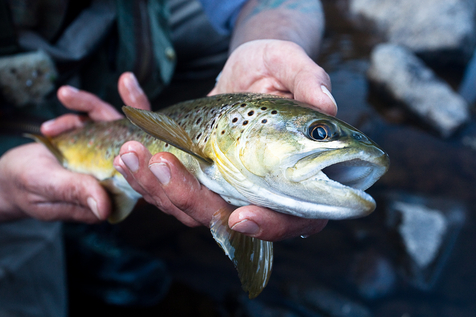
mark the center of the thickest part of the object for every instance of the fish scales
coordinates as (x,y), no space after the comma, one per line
(93,148)
(248,148)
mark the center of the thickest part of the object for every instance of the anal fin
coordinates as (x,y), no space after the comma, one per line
(122,202)
(252,257)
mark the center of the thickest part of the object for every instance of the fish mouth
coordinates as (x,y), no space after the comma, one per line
(355,173)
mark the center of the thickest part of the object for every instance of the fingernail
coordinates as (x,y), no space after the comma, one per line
(68,90)
(120,169)
(131,161)
(93,205)
(133,87)
(47,124)
(246,227)
(161,171)
(328,93)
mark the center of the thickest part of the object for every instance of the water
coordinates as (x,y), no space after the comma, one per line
(422,164)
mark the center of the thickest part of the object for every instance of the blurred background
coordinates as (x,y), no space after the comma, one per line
(403,72)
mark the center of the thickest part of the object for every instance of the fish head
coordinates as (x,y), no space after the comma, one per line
(302,162)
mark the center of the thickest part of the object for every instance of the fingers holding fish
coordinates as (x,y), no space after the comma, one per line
(131,92)
(140,171)
(82,101)
(184,190)
(63,123)
(266,224)
(37,186)
(261,66)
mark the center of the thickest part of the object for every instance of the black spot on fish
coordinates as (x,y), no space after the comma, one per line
(263,108)
(223,132)
(234,120)
(166,145)
(274,112)
(243,105)
(224,106)
(264,121)
(251,113)
(206,139)
(245,122)
(199,135)
(211,125)
(186,116)
(198,120)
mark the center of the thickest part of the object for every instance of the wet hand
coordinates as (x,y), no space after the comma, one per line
(280,68)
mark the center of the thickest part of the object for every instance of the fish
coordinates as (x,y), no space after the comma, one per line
(249,148)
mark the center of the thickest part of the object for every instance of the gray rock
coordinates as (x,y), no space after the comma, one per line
(373,275)
(26,78)
(326,302)
(427,228)
(406,78)
(467,89)
(422,230)
(441,29)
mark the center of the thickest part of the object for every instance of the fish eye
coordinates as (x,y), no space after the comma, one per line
(321,131)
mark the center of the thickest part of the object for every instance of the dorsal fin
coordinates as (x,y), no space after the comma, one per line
(165,129)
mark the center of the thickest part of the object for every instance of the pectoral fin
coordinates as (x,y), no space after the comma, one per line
(253,258)
(122,202)
(165,129)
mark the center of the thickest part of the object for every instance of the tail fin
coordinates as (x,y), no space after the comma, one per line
(47,142)
(253,258)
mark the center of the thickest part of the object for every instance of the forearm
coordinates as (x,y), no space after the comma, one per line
(298,21)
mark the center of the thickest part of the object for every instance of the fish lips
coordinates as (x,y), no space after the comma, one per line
(355,171)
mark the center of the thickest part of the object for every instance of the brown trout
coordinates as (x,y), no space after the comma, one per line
(248,148)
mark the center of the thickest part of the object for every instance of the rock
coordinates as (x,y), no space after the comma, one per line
(467,89)
(406,78)
(26,78)
(422,231)
(427,228)
(327,302)
(258,308)
(373,275)
(437,29)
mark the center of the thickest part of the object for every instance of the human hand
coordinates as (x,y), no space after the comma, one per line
(277,67)
(34,184)
(95,108)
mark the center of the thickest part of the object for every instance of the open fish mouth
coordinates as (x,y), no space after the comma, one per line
(355,173)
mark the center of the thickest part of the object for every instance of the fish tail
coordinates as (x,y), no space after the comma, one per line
(252,257)
(49,145)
